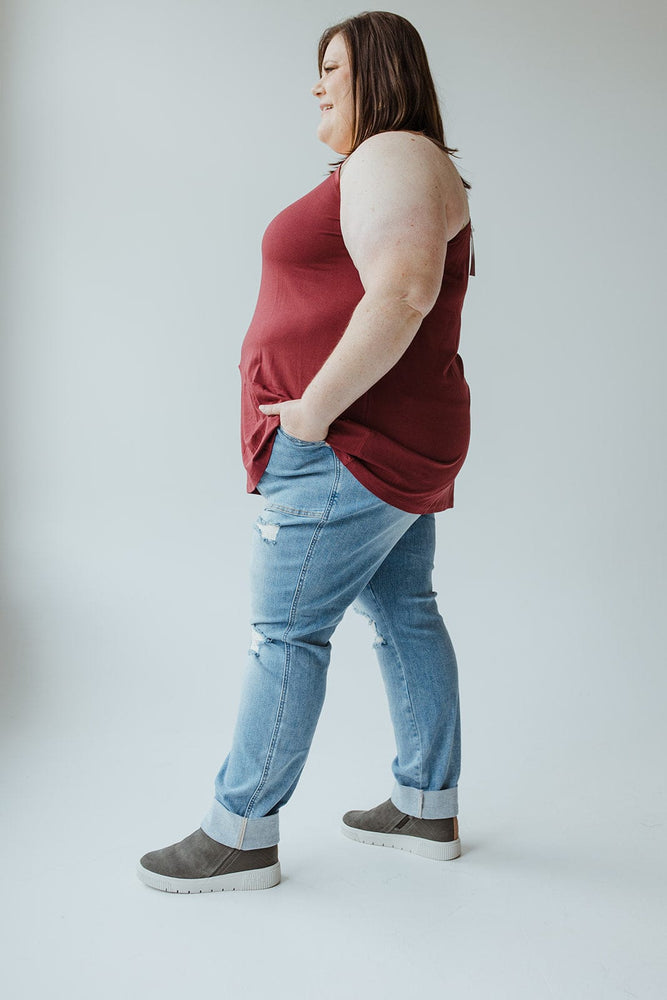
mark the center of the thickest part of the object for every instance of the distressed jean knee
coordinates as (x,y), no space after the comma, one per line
(378,639)
(258,638)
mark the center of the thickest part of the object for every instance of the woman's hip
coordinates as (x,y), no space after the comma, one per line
(320,537)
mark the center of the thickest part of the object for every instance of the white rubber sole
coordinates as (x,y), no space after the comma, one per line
(257,878)
(433,849)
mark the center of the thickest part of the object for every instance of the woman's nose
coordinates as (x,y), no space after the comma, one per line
(317,89)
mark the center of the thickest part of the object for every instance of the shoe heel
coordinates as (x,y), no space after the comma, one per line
(262,878)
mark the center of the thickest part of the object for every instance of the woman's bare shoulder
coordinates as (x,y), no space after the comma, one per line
(393,144)
(415,161)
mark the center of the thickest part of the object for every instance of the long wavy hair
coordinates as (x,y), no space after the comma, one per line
(392,86)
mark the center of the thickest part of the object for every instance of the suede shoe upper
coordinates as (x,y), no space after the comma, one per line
(199,856)
(387,818)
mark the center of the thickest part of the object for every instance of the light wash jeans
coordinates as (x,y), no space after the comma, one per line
(323,542)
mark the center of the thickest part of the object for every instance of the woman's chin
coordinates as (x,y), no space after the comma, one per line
(337,148)
(332,142)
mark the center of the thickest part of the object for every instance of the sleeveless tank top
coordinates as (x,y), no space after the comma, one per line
(406,438)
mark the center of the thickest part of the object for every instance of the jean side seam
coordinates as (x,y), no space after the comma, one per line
(406,686)
(286,668)
(308,556)
(244,823)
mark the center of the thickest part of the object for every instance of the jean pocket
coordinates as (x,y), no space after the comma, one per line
(299,441)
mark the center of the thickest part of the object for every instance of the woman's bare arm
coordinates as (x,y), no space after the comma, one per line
(395,229)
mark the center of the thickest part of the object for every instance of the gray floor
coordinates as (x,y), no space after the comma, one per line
(559,892)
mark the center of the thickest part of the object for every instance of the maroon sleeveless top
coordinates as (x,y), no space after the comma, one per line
(407,436)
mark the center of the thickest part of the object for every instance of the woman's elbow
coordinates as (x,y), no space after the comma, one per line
(414,296)
(421,298)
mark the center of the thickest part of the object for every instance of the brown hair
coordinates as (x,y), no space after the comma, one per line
(397,92)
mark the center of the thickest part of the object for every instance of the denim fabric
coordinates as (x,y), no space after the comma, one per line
(324,542)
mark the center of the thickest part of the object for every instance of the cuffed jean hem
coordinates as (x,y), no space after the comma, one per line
(436,804)
(240,832)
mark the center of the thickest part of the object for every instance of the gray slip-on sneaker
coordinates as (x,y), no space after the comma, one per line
(387,826)
(200,864)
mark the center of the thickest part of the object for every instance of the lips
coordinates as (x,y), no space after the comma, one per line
(325,107)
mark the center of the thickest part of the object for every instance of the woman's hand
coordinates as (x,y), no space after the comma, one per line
(296,419)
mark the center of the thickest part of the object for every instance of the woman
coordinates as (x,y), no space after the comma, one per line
(354,424)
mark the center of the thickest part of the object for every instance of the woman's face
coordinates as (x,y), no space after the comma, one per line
(334,92)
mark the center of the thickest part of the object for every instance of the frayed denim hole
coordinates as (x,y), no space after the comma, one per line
(267,529)
(258,640)
(378,640)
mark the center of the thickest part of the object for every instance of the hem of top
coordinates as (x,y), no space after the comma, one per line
(250,486)
(353,464)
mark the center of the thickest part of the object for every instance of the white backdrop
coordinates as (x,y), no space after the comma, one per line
(146,145)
